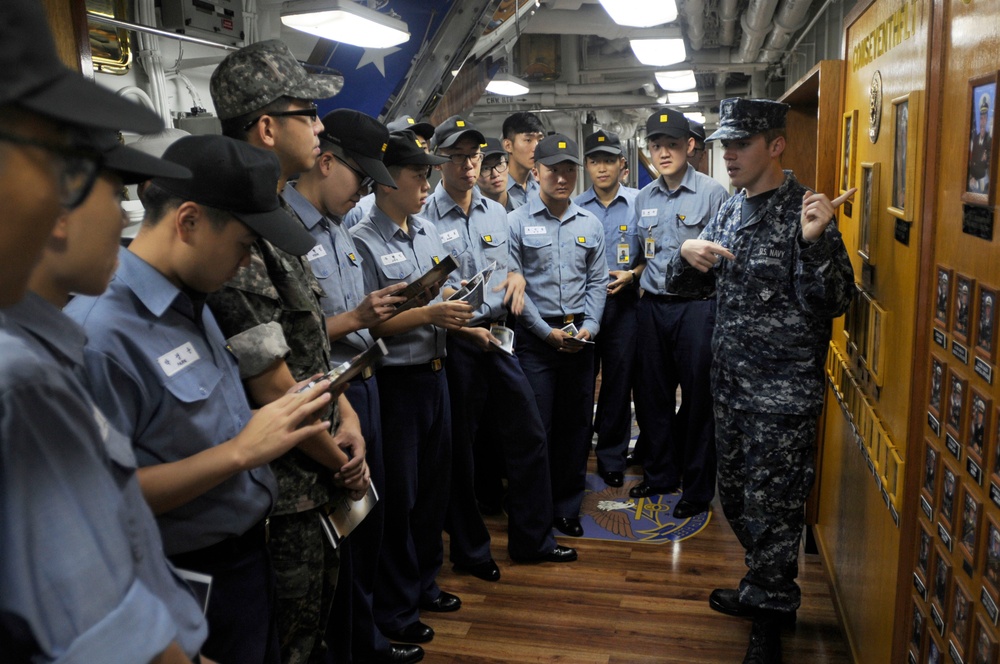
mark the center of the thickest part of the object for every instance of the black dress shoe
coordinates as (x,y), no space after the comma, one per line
(644,489)
(613,477)
(633,460)
(398,654)
(727,600)
(765,640)
(568,526)
(688,508)
(416,632)
(443,603)
(560,554)
(487,571)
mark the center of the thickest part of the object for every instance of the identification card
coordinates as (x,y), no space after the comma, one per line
(623,257)
(316,252)
(393,258)
(535,230)
(650,247)
(649,212)
(177,359)
(448,236)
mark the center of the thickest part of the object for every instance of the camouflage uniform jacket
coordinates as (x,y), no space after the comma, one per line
(776,303)
(270,310)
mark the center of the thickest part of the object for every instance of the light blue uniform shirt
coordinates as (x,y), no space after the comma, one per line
(81,560)
(359,211)
(475,242)
(390,256)
(563,262)
(619,224)
(173,387)
(518,195)
(671,217)
(336,264)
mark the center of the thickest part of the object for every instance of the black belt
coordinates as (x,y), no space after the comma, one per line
(434,365)
(675,298)
(230,548)
(560,321)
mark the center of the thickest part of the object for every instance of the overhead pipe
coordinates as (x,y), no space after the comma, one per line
(791,16)
(729,14)
(694,16)
(756,22)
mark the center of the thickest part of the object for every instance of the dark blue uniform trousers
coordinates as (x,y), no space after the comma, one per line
(416,437)
(489,391)
(675,348)
(353,634)
(615,350)
(563,384)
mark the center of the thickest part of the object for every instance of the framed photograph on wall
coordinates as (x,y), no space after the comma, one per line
(876,358)
(924,551)
(961,318)
(981,165)
(942,578)
(986,321)
(942,298)
(958,388)
(932,462)
(849,150)
(991,567)
(936,390)
(972,512)
(917,629)
(868,214)
(984,643)
(960,618)
(905,153)
(949,487)
(935,653)
(981,409)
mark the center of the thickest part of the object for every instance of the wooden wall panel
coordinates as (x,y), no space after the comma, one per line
(69,30)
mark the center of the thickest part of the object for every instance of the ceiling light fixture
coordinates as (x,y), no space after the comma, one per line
(344,21)
(676,81)
(659,52)
(681,98)
(641,13)
(696,117)
(507,85)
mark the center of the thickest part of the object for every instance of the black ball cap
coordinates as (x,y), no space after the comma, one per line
(404,150)
(493,146)
(362,138)
(133,166)
(602,141)
(423,129)
(238,178)
(556,149)
(452,130)
(667,122)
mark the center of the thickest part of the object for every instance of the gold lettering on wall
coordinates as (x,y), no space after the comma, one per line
(887,35)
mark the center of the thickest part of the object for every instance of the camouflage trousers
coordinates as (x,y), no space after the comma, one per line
(766,470)
(306,567)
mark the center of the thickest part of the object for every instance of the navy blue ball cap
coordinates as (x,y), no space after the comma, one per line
(362,138)
(424,130)
(238,178)
(602,141)
(743,118)
(404,150)
(556,149)
(453,130)
(133,166)
(667,122)
(493,146)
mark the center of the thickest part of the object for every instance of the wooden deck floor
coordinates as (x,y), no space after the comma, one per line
(621,603)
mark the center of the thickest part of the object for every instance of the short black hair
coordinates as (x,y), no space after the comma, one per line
(157,201)
(236,127)
(521,122)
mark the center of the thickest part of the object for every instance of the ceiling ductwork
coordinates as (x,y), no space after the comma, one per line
(791,16)
(756,23)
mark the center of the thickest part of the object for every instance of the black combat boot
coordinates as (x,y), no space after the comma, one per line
(765,639)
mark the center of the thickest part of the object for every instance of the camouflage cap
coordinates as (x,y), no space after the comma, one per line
(256,75)
(743,118)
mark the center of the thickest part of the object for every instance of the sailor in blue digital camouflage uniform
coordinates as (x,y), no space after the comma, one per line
(397,245)
(613,203)
(675,330)
(487,385)
(781,274)
(559,248)
(352,146)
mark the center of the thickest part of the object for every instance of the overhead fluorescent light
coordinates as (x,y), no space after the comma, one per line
(505,84)
(681,98)
(344,21)
(659,52)
(676,81)
(696,117)
(641,13)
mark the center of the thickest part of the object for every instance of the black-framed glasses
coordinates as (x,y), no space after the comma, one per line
(312,113)
(459,159)
(78,167)
(365,182)
(498,168)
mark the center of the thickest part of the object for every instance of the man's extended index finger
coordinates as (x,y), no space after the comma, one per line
(837,202)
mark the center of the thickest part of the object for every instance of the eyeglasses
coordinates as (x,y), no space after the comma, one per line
(459,159)
(77,167)
(312,113)
(365,182)
(498,168)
